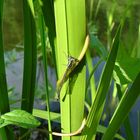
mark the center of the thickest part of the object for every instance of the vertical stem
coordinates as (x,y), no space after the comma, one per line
(91,10)
(70,31)
(30,59)
(5,134)
(48,14)
(4,103)
(92,81)
(43,40)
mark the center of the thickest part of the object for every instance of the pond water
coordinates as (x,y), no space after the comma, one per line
(14,73)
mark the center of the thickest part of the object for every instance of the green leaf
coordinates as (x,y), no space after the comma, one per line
(124,107)
(4,123)
(5,134)
(20,118)
(126,123)
(138,131)
(126,68)
(31,5)
(97,44)
(97,107)
(30,59)
(102,129)
(45,64)
(1,121)
(48,15)
(90,80)
(70,41)
(44,115)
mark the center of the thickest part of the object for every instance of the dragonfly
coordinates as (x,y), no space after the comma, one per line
(72,63)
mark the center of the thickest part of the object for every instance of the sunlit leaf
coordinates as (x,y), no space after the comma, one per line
(20,118)
(102,129)
(44,115)
(97,107)
(126,68)
(124,107)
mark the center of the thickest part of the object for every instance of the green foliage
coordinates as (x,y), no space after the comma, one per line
(61,26)
(90,80)
(43,45)
(70,40)
(97,107)
(126,68)
(30,59)
(127,124)
(123,109)
(99,47)
(4,103)
(102,129)
(20,118)
(55,117)
(138,135)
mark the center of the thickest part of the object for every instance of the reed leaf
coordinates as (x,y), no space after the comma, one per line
(5,134)
(97,107)
(48,15)
(90,80)
(55,117)
(70,40)
(127,101)
(4,103)
(127,125)
(138,134)
(43,45)
(30,58)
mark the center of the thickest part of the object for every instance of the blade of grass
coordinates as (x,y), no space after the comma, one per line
(124,107)
(55,117)
(90,81)
(5,133)
(138,42)
(48,14)
(30,59)
(43,45)
(97,8)
(4,103)
(97,107)
(138,133)
(127,125)
(102,129)
(91,10)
